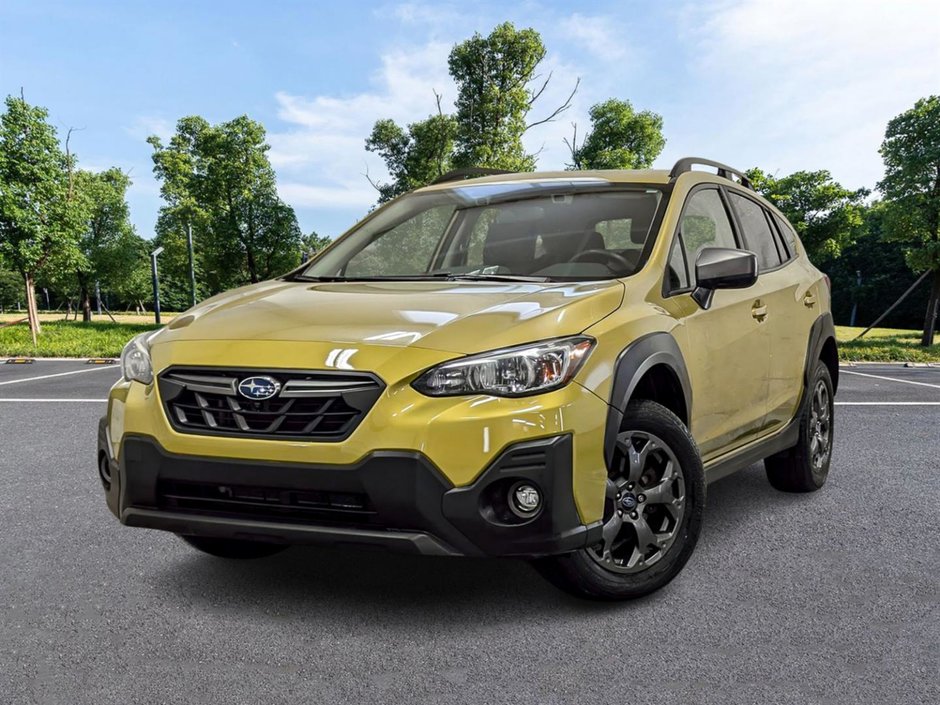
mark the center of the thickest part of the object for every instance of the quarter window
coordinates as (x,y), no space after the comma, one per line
(787,232)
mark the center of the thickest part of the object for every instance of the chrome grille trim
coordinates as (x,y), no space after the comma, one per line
(313,405)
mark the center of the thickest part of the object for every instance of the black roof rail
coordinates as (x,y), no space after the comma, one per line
(724,171)
(468,173)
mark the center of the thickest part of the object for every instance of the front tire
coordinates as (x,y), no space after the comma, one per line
(805,466)
(653,512)
(233,548)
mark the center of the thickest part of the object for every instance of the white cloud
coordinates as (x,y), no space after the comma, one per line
(319,151)
(598,35)
(340,197)
(146,125)
(413,13)
(794,84)
(321,155)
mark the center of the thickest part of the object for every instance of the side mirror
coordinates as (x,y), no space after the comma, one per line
(722,268)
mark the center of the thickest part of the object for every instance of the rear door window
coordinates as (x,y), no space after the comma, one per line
(757,233)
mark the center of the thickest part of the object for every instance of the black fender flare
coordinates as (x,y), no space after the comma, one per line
(822,330)
(634,361)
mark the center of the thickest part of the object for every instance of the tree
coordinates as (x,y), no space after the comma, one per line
(11,289)
(41,212)
(313,243)
(109,245)
(497,88)
(415,156)
(884,277)
(620,138)
(495,94)
(827,216)
(217,180)
(911,187)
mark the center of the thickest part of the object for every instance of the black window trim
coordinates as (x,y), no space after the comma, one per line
(781,223)
(782,251)
(768,215)
(667,291)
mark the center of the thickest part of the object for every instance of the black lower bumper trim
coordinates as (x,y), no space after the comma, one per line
(394,499)
(270,532)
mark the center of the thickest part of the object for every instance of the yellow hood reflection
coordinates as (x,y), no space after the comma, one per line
(459,317)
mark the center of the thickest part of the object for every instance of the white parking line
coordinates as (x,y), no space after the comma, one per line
(56,401)
(887,403)
(892,379)
(58,374)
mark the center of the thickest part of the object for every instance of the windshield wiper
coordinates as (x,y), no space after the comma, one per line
(449,276)
(375,278)
(499,278)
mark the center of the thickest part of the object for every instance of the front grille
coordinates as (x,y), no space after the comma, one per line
(265,503)
(321,406)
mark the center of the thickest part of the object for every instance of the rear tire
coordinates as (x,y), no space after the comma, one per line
(657,485)
(233,548)
(805,466)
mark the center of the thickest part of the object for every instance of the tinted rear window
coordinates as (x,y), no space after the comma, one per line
(757,233)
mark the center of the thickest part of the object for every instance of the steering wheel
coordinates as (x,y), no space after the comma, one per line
(605,257)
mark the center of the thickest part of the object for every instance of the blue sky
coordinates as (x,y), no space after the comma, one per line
(783,84)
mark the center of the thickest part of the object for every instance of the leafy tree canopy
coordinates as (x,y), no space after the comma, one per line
(11,289)
(42,213)
(827,216)
(911,187)
(314,242)
(218,180)
(113,255)
(497,88)
(620,138)
(414,156)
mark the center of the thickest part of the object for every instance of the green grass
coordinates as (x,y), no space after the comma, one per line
(884,345)
(70,339)
(105,339)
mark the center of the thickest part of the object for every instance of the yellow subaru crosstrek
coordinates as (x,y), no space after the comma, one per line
(549,366)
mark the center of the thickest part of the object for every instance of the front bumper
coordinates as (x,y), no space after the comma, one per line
(394,499)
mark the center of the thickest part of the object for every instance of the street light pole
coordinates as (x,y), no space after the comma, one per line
(192,266)
(156,284)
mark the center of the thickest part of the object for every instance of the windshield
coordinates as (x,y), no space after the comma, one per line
(571,230)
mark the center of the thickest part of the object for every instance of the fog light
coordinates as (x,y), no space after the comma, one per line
(525,499)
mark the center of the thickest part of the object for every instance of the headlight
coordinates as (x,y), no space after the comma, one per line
(511,372)
(135,359)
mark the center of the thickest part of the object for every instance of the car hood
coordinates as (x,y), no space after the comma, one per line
(452,316)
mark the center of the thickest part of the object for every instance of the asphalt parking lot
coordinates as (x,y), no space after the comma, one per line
(823,598)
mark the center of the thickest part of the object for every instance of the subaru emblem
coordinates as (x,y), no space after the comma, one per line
(259,388)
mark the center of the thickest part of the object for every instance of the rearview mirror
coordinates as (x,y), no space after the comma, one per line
(722,268)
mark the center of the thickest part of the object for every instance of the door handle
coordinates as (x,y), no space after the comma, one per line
(759,311)
(809,300)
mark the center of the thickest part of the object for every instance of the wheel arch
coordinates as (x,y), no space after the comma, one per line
(822,346)
(652,367)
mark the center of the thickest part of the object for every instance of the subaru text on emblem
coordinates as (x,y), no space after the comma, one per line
(259,388)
